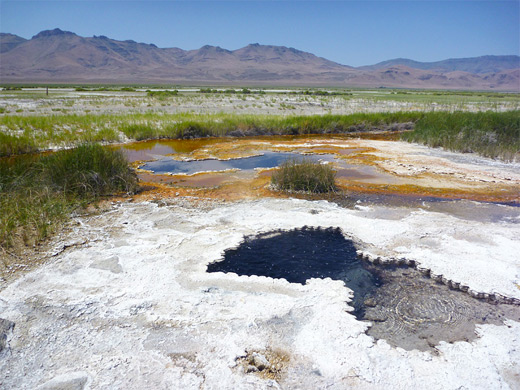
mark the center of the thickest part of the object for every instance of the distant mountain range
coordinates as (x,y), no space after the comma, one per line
(56,56)
(476,65)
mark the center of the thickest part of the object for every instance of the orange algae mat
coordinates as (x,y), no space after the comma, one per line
(363,165)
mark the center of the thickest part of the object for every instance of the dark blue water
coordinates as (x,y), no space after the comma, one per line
(267,160)
(301,254)
(404,307)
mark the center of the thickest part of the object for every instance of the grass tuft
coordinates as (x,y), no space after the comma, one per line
(38,193)
(88,171)
(304,175)
(11,145)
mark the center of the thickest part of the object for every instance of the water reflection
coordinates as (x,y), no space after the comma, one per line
(151,150)
(266,160)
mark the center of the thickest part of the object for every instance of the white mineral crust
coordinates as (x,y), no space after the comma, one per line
(133,308)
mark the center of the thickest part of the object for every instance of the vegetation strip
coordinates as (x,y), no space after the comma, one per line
(40,192)
(22,134)
(492,134)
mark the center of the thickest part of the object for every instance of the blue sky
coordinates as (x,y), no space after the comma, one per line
(349,32)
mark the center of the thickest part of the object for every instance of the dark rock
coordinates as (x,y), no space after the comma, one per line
(6,327)
(259,361)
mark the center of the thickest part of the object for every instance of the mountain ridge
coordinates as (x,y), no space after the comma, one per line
(63,56)
(479,65)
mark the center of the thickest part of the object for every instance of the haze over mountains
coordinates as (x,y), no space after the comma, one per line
(56,56)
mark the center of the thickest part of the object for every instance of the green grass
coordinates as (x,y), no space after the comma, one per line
(11,145)
(29,133)
(162,94)
(88,171)
(304,175)
(452,99)
(185,126)
(40,132)
(38,193)
(490,134)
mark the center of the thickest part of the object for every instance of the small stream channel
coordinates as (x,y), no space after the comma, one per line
(405,307)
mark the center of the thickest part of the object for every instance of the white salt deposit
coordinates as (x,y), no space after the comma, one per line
(133,308)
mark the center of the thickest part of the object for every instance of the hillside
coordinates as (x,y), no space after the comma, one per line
(478,65)
(59,56)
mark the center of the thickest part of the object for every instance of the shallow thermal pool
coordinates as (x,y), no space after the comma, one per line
(189,157)
(228,166)
(408,309)
(267,159)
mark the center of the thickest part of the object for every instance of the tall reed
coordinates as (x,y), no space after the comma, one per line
(490,134)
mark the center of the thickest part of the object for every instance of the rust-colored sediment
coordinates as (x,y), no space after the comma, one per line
(260,187)
(380,159)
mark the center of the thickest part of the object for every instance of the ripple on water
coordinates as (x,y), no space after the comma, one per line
(412,311)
